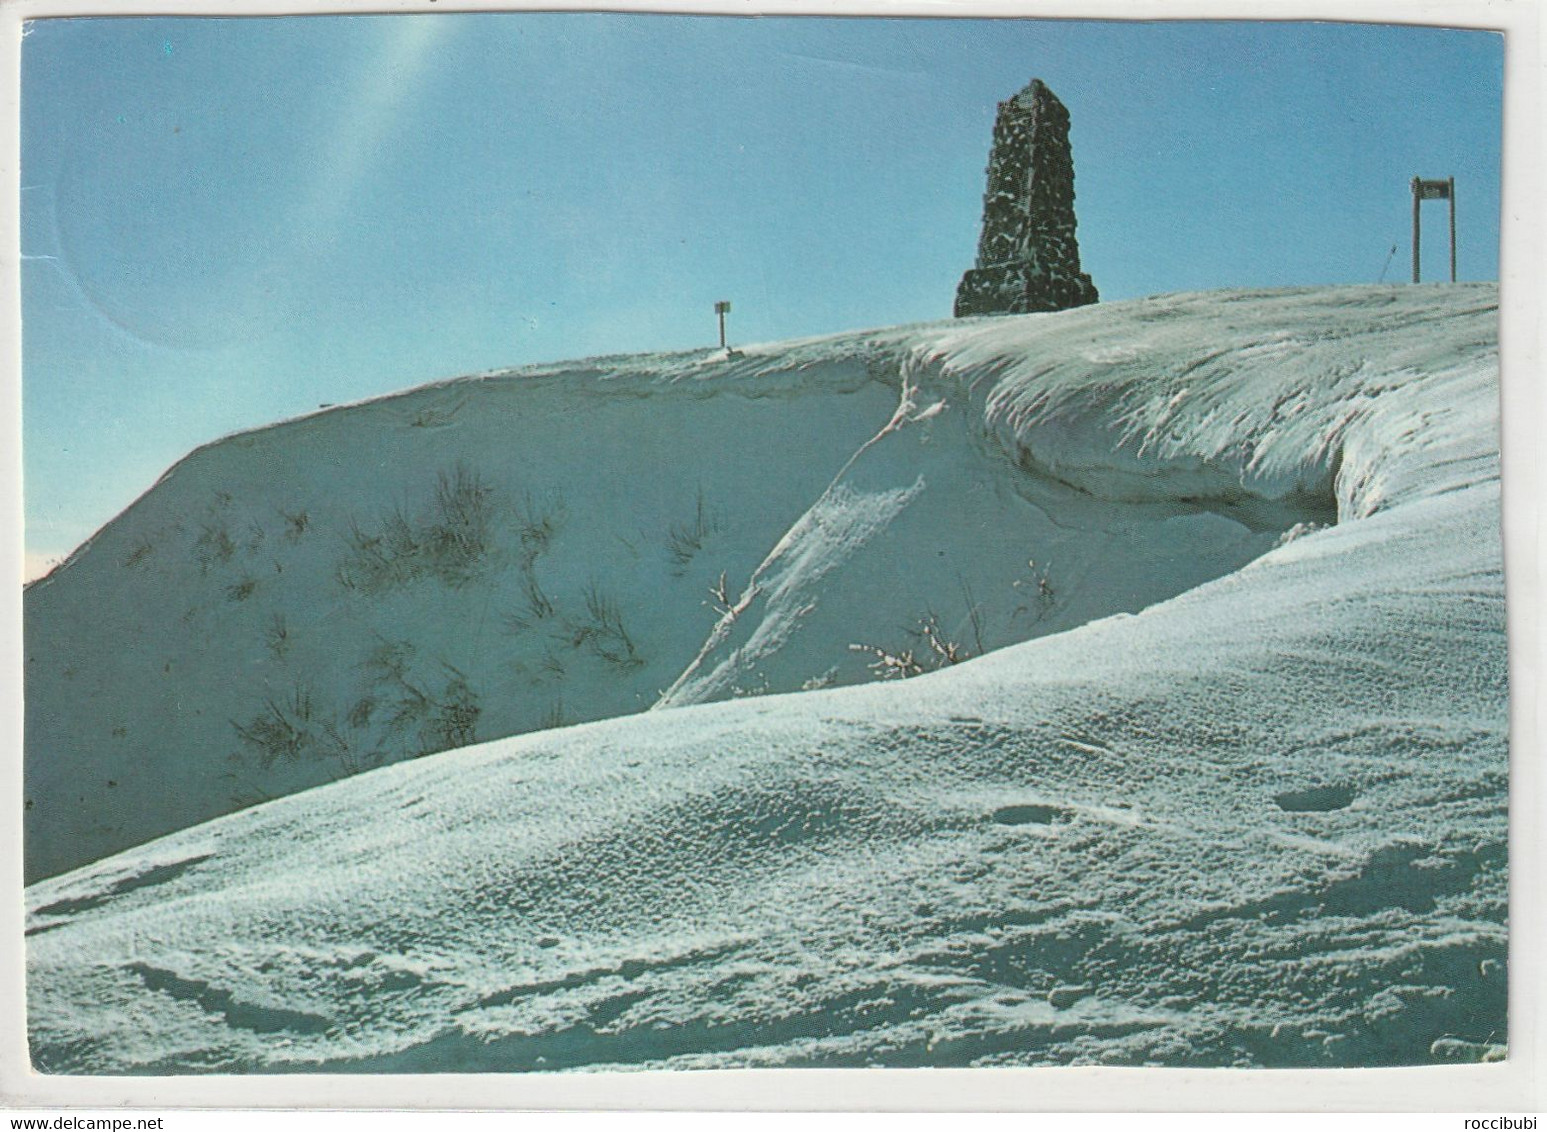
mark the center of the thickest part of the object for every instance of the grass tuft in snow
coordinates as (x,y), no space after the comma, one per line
(974,615)
(438,720)
(296,523)
(142,550)
(388,662)
(458,535)
(539,606)
(449,541)
(276,634)
(539,522)
(360,715)
(213,546)
(290,730)
(604,632)
(555,717)
(419,720)
(685,540)
(454,721)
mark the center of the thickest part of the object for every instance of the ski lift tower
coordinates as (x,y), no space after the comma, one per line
(1434,190)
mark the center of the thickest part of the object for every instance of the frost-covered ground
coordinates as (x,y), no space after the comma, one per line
(1228,787)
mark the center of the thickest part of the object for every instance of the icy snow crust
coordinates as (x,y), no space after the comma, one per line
(1262,821)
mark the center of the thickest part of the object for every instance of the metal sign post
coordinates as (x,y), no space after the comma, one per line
(1434,190)
(722,308)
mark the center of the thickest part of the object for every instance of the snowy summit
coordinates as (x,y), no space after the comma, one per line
(1120,685)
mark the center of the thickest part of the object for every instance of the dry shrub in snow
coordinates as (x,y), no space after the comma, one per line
(931,651)
(449,541)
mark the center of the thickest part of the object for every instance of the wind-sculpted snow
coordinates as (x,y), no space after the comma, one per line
(1254,820)
(518,551)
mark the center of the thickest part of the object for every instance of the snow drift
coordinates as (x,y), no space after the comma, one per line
(1262,821)
(524,550)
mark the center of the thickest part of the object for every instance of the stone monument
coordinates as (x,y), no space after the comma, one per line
(1028,259)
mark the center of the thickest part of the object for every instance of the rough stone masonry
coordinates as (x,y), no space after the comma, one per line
(1028,258)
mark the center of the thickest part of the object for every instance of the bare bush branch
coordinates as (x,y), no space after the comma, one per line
(939,651)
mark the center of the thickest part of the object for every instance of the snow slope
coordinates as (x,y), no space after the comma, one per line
(501,554)
(1263,821)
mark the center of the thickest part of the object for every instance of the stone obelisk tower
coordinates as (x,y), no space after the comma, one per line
(1028,259)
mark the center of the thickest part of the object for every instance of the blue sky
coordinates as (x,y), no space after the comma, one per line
(230,221)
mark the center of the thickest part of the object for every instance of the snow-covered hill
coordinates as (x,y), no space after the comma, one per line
(1263,821)
(502,554)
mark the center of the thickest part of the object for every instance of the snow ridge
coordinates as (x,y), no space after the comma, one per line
(1224,780)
